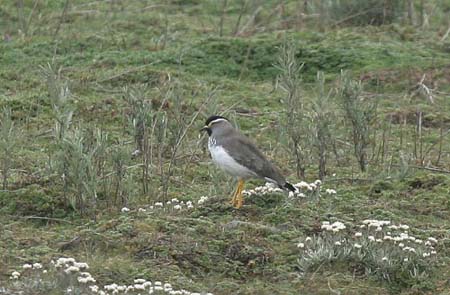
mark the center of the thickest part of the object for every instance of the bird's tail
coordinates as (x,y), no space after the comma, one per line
(289,186)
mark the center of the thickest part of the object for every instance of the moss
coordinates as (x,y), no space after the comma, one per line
(32,200)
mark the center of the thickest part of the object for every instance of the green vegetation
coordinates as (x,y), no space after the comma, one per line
(101,158)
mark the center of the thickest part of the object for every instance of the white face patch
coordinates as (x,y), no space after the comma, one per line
(225,162)
(216,121)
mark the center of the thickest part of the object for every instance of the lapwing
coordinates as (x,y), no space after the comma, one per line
(238,156)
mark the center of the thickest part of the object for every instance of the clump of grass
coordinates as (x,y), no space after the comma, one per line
(293,121)
(79,155)
(9,139)
(144,121)
(361,112)
(322,118)
(374,247)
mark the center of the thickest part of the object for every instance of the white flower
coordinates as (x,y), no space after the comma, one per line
(129,288)
(111,287)
(358,246)
(330,191)
(406,259)
(15,275)
(403,226)
(384,258)
(177,207)
(418,241)
(27,266)
(65,260)
(159,204)
(301,245)
(379,240)
(139,281)
(308,239)
(37,265)
(338,243)
(326,227)
(141,210)
(168,202)
(291,194)
(175,200)
(81,265)
(433,252)
(318,182)
(379,228)
(426,254)
(94,288)
(401,245)
(139,287)
(124,210)
(338,225)
(167,287)
(202,200)
(71,269)
(433,240)
(358,234)
(44,271)
(371,238)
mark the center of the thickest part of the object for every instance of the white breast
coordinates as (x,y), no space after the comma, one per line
(225,162)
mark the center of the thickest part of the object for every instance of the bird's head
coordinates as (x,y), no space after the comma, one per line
(215,123)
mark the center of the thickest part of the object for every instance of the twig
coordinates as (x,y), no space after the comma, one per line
(445,35)
(351,16)
(424,88)
(332,290)
(238,22)
(31,15)
(63,15)
(250,21)
(437,170)
(222,17)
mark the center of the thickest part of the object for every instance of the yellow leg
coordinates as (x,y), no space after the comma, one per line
(233,198)
(239,199)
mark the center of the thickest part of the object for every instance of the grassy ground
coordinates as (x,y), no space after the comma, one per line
(103,46)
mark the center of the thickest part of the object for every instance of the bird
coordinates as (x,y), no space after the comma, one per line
(237,155)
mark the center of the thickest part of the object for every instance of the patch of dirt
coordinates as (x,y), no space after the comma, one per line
(249,256)
(427,183)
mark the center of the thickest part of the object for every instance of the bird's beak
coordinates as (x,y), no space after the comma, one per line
(205,128)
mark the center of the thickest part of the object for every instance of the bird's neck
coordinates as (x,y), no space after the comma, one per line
(212,141)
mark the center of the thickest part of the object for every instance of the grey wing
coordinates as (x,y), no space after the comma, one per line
(248,155)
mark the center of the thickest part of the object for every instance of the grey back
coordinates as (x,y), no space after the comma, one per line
(245,152)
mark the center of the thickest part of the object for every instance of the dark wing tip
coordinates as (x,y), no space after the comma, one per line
(290,187)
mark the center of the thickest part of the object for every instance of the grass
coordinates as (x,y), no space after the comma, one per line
(102,47)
